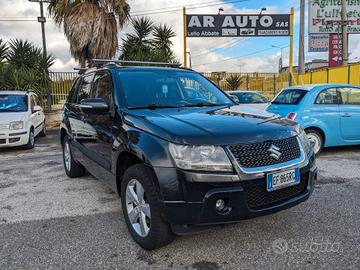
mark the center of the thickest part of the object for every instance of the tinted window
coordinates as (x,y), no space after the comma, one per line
(84,90)
(13,103)
(290,96)
(103,87)
(73,92)
(250,98)
(169,88)
(328,96)
(350,96)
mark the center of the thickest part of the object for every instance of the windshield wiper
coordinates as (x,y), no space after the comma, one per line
(205,105)
(152,107)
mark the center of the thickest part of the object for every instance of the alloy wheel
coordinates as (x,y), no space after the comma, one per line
(137,207)
(67,156)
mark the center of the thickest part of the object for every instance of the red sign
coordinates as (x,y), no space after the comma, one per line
(335,50)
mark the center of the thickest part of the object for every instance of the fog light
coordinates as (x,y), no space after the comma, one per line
(220,205)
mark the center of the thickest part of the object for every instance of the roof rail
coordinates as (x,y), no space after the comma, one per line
(81,70)
(108,61)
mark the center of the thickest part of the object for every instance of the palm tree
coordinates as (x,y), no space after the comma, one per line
(234,82)
(149,42)
(90,26)
(3,50)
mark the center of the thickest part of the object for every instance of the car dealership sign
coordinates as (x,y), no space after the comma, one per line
(237,25)
(325,16)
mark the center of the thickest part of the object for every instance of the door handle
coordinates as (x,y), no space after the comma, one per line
(346,115)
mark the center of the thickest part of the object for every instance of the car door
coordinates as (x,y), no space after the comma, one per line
(35,117)
(350,113)
(325,114)
(101,147)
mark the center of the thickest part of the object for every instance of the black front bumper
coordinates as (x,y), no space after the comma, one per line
(187,203)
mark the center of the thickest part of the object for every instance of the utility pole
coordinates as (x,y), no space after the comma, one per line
(344,33)
(42,21)
(302,38)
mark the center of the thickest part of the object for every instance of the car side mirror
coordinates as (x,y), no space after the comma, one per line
(235,99)
(36,109)
(94,106)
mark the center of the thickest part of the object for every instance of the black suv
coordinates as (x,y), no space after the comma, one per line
(180,153)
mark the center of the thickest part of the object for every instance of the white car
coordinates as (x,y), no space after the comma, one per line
(21,119)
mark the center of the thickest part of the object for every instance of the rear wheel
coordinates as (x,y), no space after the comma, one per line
(316,140)
(72,168)
(43,131)
(141,209)
(31,140)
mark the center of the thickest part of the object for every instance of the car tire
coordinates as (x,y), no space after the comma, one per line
(316,140)
(43,131)
(155,232)
(31,141)
(72,168)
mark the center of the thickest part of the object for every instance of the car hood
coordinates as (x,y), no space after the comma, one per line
(7,117)
(211,126)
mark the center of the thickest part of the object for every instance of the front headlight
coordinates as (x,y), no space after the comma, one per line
(202,158)
(16,125)
(305,141)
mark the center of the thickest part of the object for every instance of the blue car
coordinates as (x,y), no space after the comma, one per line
(329,113)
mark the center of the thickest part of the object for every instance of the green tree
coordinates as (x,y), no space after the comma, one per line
(233,82)
(23,67)
(149,42)
(90,26)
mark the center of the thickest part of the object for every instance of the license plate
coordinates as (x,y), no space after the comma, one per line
(283,179)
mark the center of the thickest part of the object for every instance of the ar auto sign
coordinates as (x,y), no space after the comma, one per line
(237,25)
(325,16)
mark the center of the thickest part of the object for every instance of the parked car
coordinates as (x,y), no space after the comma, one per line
(181,163)
(329,113)
(250,98)
(21,119)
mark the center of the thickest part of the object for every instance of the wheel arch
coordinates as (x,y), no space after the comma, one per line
(322,133)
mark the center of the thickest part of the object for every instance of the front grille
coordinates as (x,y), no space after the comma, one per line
(257,196)
(2,141)
(258,155)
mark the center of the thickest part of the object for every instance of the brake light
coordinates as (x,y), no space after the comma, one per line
(291,116)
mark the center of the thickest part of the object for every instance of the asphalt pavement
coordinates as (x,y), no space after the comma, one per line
(49,221)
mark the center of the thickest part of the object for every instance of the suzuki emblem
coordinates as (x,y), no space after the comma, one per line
(275,152)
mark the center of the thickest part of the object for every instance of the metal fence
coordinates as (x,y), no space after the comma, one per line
(269,84)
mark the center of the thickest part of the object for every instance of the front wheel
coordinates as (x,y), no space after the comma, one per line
(31,141)
(316,140)
(141,209)
(43,131)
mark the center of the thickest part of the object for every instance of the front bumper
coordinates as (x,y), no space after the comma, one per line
(189,202)
(12,138)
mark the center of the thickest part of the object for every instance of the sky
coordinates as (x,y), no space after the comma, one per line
(208,54)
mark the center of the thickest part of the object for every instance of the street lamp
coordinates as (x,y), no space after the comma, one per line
(281,57)
(220,10)
(262,10)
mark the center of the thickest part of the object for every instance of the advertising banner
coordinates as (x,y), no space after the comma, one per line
(318,43)
(325,16)
(237,25)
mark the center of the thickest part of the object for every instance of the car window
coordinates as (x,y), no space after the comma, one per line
(73,91)
(32,102)
(169,88)
(350,96)
(103,88)
(13,103)
(84,90)
(37,101)
(328,96)
(247,98)
(290,97)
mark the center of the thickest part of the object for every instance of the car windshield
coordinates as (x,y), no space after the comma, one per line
(13,103)
(246,98)
(159,88)
(290,97)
